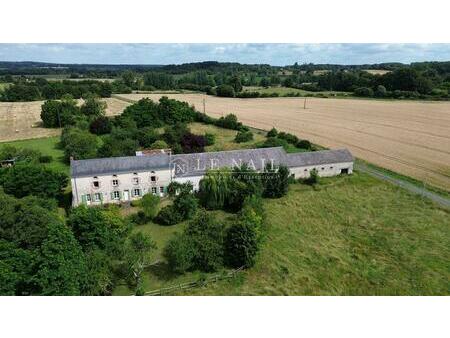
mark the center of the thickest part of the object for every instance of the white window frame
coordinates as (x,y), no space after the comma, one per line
(93,184)
(118,195)
(88,197)
(161,190)
(115,182)
(154,191)
(138,190)
(135,180)
(97,194)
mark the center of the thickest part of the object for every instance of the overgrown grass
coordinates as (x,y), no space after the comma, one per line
(352,235)
(225,137)
(286,90)
(47,146)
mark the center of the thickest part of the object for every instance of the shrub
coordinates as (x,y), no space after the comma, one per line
(273,142)
(191,143)
(229,122)
(150,204)
(159,144)
(364,91)
(276,183)
(225,91)
(380,91)
(313,177)
(304,144)
(243,136)
(179,253)
(272,133)
(100,126)
(185,204)
(241,245)
(168,216)
(210,139)
(45,159)
(292,139)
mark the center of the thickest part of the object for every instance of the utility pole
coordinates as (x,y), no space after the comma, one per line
(204,106)
(304,104)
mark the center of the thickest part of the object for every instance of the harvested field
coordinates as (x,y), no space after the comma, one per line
(410,137)
(21,120)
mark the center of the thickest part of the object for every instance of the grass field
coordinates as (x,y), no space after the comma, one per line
(409,137)
(352,235)
(47,146)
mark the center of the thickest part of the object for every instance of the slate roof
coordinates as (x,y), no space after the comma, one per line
(113,165)
(196,164)
(318,157)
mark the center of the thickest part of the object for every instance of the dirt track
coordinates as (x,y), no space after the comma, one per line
(409,137)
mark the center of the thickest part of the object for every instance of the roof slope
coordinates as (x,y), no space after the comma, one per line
(113,165)
(319,157)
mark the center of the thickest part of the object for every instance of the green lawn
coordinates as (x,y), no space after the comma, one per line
(351,235)
(47,146)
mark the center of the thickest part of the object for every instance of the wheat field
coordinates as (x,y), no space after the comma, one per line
(410,137)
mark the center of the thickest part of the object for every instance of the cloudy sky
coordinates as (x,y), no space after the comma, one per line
(274,54)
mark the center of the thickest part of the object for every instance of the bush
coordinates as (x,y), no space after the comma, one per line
(168,216)
(276,183)
(100,126)
(210,139)
(225,91)
(304,144)
(179,253)
(292,139)
(150,204)
(159,144)
(45,159)
(364,92)
(241,245)
(191,143)
(272,133)
(313,177)
(243,136)
(229,122)
(273,142)
(381,91)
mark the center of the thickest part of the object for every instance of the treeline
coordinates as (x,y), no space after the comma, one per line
(41,89)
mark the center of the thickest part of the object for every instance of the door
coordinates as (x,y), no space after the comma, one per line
(344,171)
(126,195)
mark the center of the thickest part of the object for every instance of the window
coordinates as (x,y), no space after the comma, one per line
(331,167)
(116,195)
(153,178)
(115,183)
(135,180)
(323,168)
(97,197)
(88,198)
(153,190)
(96,184)
(161,190)
(137,192)
(306,170)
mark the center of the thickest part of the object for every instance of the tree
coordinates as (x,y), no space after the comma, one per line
(179,253)
(93,107)
(191,143)
(159,144)
(100,126)
(31,179)
(150,205)
(138,255)
(225,91)
(214,189)
(241,245)
(97,229)
(272,133)
(276,182)
(364,91)
(61,263)
(235,82)
(147,136)
(114,146)
(304,144)
(210,139)
(381,91)
(79,144)
(313,177)
(59,113)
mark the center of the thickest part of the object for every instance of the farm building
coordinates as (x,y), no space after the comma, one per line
(123,179)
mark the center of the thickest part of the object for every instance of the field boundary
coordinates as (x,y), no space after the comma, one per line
(201,282)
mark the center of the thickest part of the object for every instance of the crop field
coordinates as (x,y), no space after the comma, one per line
(409,137)
(21,120)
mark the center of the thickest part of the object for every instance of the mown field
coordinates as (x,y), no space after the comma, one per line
(410,137)
(22,120)
(351,235)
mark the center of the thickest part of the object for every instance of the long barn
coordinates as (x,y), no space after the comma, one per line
(123,179)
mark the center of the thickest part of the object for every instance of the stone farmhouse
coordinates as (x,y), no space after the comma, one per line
(123,179)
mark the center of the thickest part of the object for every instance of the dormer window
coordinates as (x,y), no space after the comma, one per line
(115,182)
(135,180)
(152,176)
(96,183)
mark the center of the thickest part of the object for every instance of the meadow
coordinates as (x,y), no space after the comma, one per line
(350,235)
(409,137)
